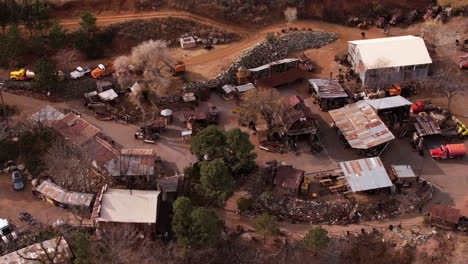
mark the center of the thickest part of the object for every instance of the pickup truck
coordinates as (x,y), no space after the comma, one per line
(22,75)
(79,72)
(102,70)
(449,151)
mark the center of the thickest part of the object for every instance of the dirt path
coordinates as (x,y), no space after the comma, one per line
(112,19)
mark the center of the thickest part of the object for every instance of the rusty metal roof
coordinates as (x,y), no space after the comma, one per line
(326,89)
(76,129)
(35,251)
(427,125)
(289,177)
(365,174)
(277,79)
(100,150)
(291,101)
(361,126)
(445,213)
(133,162)
(57,193)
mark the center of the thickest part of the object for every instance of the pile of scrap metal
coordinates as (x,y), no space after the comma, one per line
(150,133)
(98,101)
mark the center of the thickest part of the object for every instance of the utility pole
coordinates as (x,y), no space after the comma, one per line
(3,103)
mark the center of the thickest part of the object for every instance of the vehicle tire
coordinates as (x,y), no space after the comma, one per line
(14,79)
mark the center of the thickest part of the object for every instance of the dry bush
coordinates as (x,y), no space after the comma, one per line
(263,101)
(457,4)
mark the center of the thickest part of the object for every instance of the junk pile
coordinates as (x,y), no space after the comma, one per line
(337,211)
(263,53)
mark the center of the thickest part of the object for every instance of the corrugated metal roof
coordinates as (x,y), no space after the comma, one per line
(427,125)
(445,213)
(266,66)
(35,251)
(325,89)
(245,87)
(76,129)
(169,184)
(57,193)
(389,102)
(133,162)
(47,113)
(281,78)
(129,206)
(289,177)
(108,95)
(361,126)
(100,150)
(403,171)
(365,174)
(392,52)
(228,88)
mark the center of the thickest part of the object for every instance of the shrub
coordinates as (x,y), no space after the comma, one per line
(244,204)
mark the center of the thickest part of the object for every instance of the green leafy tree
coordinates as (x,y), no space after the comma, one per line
(206,228)
(4,15)
(316,239)
(33,13)
(216,180)
(57,36)
(239,155)
(88,23)
(12,46)
(194,227)
(46,76)
(266,225)
(210,141)
(192,173)
(81,249)
(181,221)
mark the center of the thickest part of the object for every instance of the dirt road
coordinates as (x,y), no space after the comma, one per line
(112,19)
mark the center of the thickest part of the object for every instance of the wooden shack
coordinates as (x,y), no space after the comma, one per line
(444,217)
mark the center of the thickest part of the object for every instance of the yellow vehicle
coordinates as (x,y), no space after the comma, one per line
(22,75)
(461,128)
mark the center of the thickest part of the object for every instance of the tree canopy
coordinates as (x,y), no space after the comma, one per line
(316,239)
(233,146)
(46,76)
(216,180)
(266,225)
(57,36)
(210,141)
(194,227)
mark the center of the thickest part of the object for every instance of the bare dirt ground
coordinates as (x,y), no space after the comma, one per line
(12,203)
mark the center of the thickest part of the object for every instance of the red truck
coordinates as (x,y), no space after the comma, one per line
(449,151)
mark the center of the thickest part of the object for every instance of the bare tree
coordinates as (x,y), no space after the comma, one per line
(69,167)
(66,58)
(449,83)
(264,101)
(290,14)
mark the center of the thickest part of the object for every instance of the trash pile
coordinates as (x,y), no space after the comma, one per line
(412,237)
(266,52)
(337,211)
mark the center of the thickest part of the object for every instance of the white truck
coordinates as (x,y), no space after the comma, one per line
(5,231)
(79,72)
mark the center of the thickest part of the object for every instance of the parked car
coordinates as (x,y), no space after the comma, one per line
(18,182)
(421,106)
(26,217)
(79,72)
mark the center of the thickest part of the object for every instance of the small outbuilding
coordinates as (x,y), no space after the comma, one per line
(365,174)
(76,129)
(57,247)
(288,180)
(329,93)
(394,109)
(57,195)
(188,42)
(402,174)
(444,217)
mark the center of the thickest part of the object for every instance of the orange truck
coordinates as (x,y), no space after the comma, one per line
(102,70)
(449,151)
